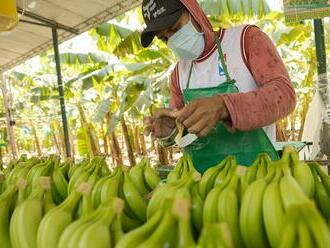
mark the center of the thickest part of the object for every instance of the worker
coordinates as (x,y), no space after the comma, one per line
(229,86)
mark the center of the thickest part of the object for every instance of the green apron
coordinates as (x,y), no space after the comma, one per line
(219,143)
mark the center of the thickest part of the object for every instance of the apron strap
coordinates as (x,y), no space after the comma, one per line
(222,61)
(222,58)
(189,77)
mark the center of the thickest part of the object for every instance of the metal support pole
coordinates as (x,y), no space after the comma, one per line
(61,91)
(320,49)
(322,82)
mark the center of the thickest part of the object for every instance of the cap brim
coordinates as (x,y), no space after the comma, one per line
(159,24)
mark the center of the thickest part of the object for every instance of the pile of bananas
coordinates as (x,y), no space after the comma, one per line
(46,203)
(255,203)
(304,227)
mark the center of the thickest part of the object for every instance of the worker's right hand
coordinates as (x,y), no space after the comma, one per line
(160,124)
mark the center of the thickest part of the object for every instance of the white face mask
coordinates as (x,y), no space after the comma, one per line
(187,43)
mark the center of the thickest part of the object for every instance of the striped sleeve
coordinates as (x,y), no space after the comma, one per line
(275,97)
(176,98)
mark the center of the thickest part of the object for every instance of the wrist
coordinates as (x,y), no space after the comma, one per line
(222,109)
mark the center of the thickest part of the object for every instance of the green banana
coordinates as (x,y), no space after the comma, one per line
(214,236)
(303,175)
(86,205)
(289,236)
(96,175)
(99,186)
(41,172)
(21,184)
(116,230)
(251,219)
(304,235)
(129,224)
(110,187)
(77,168)
(196,208)
(181,210)
(104,169)
(48,201)
(150,176)
(25,220)
(55,221)
(136,174)
(81,175)
(291,193)
(273,212)
(228,209)
(321,197)
(97,233)
(229,166)
(207,181)
(162,192)
(157,238)
(316,225)
(325,178)
(6,201)
(68,236)
(60,183)
(210,214)
(134,199)
(139,235)
(175,173)
(261,170)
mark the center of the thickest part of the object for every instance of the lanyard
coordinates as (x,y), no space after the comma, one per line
(222,61)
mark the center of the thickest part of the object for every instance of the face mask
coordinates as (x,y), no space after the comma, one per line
(187,43)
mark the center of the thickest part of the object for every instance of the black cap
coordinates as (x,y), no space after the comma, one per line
(159,15)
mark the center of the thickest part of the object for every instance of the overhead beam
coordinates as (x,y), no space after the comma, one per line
(34,23)
(47,21)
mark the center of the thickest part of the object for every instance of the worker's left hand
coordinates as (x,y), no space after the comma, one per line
(202,115)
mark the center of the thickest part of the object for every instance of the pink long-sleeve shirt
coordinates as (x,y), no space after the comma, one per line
(275,97)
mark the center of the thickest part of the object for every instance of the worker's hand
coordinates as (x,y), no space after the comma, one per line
(202,115)
(160,125)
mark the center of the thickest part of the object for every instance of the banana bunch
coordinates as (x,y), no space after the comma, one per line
(322,190)
(169,227)
(18,170)
(144,178)
(222,204)
(99,229)
(214,236)
(167,190)
(90,171)
(48,203)
(55,221)
(183,167)
(258,170)
(267,200)
(26,217)
(133,186)
(186,187)
(304,227)
(214,176)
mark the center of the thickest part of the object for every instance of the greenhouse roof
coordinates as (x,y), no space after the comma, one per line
(70,17)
